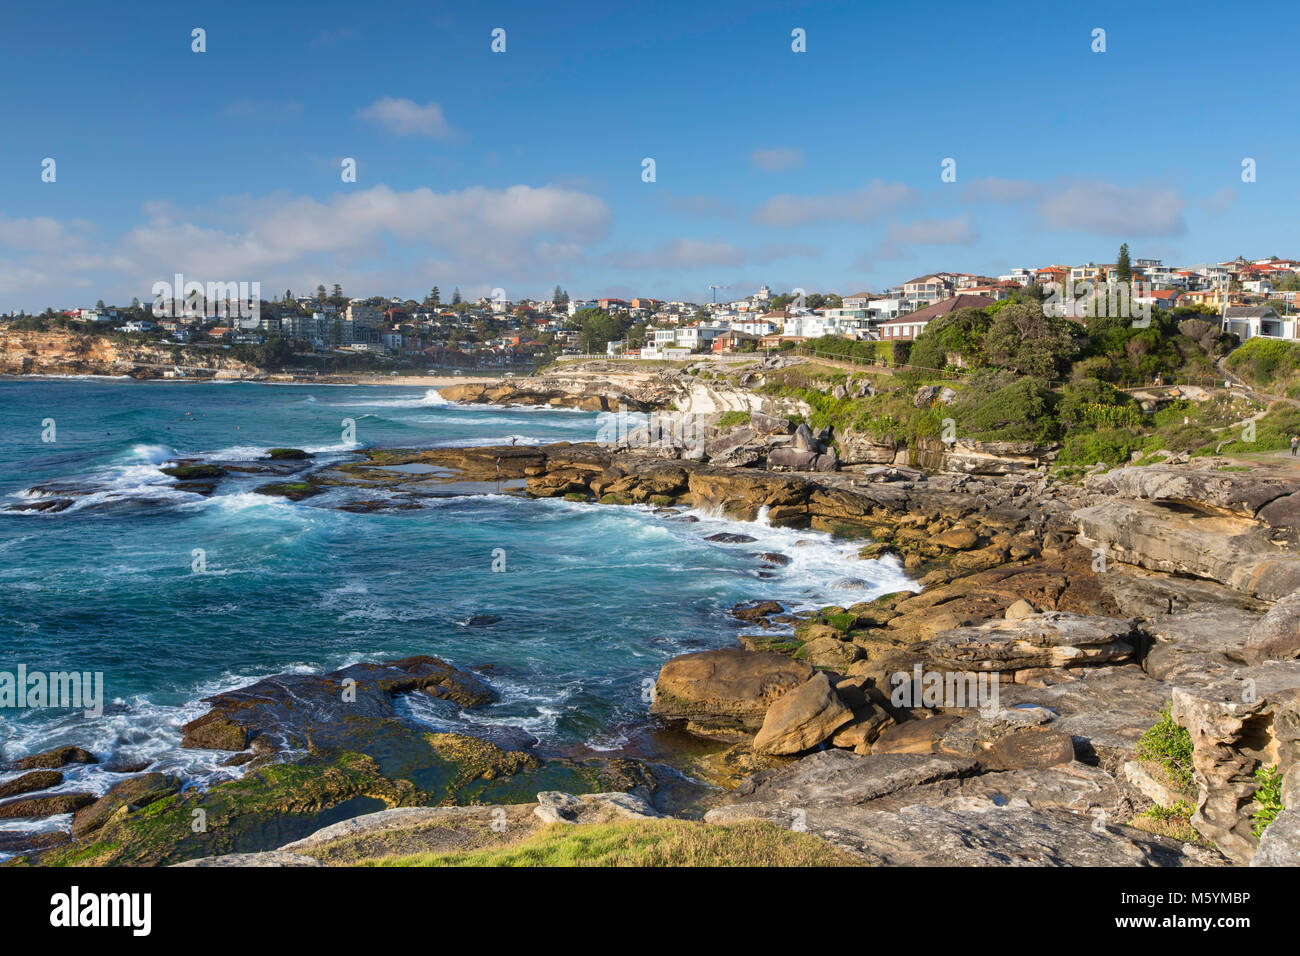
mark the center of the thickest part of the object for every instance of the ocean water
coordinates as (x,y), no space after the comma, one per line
(592,601)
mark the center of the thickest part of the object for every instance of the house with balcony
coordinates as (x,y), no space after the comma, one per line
(926,290)
(1021,277)
(1051,275)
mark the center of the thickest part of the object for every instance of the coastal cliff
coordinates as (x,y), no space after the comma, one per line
(59,352)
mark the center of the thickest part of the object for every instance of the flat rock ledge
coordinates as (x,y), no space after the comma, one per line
(986,836)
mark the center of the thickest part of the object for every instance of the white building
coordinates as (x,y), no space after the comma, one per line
(759,326)
(1249,321)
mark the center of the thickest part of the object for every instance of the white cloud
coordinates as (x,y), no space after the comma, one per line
(777,159)
(710,207)
(937,232)
(774,251)
(403,117)
(956,231)
(1102,208)
(374,236)
(867,204)
(994,189)
(680,254)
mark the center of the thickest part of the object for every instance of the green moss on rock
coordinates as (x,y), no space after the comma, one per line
(189,472)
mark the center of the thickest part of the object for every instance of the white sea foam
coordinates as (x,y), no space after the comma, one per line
(429,398)
(153,454)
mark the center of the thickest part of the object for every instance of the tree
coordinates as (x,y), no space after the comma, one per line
(558,296)
(1123,265)
(455,296)
(288,297)
(337,294)
(599,328)
(1023,339)
(435,297)
(960,332)
(320,293)
(1206,334)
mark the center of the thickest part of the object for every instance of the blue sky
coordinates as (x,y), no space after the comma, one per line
(523,169)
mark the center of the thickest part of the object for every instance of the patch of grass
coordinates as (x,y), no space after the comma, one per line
(732,419)
(649,843)
(1170,747)
(1173,821)
(1272,432)
(1268,798)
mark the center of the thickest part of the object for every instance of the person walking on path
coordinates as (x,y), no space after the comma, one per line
(1295,443)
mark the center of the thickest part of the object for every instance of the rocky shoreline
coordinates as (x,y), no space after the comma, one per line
(1091,608)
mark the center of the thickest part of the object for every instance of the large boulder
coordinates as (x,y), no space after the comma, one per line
(769,424)
(860,448)
(1277,635)
(53,759)
(803,718)
(836,778)
(793,459)
(1237,726)
(804,440)
(47,806)
(131,794)
(30,783)
(1235,493)
(1049,639)
(1279,844)
(727,690)
(1230,550)
(326,711)
(742,494)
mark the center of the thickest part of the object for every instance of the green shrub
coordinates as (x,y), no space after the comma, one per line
(1022,410)
(1263,361)
(1088,402)
(1169,746)
(1268,798)
(1113,446)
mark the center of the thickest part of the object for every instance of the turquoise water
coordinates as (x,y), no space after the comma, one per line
(592,602)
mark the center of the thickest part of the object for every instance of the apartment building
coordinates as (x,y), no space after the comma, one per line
(926,290)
